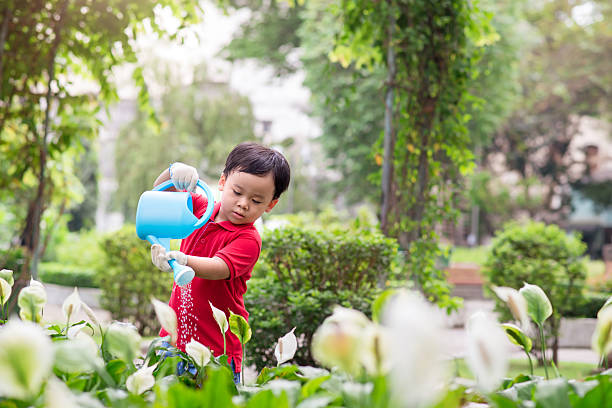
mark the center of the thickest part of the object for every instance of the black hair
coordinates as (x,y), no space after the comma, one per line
(259,160)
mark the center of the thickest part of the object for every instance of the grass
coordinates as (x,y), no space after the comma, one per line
(567,369)
(478,256)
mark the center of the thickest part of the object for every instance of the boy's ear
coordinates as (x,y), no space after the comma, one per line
(221,182)
(271,205)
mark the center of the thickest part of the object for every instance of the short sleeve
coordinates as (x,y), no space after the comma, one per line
(240,255)
(199,204)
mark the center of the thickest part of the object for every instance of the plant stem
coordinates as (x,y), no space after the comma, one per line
(530,362)
(543,346)
(224,345)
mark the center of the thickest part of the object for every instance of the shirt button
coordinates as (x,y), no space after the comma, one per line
(202,241)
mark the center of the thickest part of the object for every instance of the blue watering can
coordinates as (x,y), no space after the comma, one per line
(162,216)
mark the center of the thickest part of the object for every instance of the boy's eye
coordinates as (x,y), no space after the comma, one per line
(257,202)
(236,192)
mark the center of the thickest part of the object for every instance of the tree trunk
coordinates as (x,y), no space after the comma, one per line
(388,192)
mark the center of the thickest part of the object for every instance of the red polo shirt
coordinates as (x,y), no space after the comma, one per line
(239,246)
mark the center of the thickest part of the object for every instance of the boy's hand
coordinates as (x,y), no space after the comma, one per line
(183,177)
(160,257)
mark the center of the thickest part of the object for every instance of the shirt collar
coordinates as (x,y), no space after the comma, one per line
(226,225)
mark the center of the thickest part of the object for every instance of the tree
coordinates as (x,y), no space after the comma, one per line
(200,124)
(565,75)
(46,47)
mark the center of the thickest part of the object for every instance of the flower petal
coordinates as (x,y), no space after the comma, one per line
(286,347)
(199,352)
(5,291)
(220,318)
(72,304)
(167,318)
(142,380)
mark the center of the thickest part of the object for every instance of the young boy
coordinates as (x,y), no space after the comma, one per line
(222,253)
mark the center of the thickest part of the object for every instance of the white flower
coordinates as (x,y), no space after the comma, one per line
(26,359)
(71,305)
(74,330)
(375,355)
(167,318)
(516,303)
(31,301)
(602,336)
(338,341)
(539,307)
(5,291)
(141,381)
(199,352)
(487,354)
(77,355)
(90,313)
(416,328)
(286,347)
(122,340)
(7,275)
(220,318)
(58,395)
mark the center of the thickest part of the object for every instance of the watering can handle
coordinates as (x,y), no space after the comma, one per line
(209,197)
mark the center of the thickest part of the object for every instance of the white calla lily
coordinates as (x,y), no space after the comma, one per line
(7,275)
(26,359)
(220,318)
(58,395)
(71,305)
(90,313)
(167,318)
(141,381)
(77,355)
(122,340)
(5,292)
(31,301)
(602,336)
(487,354)
(338,341)
(516,303)
(375,355)
(418,370)
(199,352)
(285,347)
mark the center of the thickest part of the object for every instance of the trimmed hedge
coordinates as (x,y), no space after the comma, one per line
(302,274)
(67,275)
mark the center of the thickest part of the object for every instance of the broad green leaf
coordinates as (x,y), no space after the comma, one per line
(240,327)
(312,386)
(552,394)
(539,307)
(517,336)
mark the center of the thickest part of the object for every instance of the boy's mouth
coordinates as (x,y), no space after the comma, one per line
(238,214)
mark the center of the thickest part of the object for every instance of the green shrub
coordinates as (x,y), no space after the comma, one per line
(305,273)
(590,305)
(128,279)
(542,255)
(67,275)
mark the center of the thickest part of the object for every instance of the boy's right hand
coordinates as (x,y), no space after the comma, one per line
(160,258)
(183,176)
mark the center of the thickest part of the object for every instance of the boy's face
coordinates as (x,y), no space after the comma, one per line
(245,197)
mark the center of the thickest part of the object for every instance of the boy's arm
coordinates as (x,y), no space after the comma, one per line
(213,268)
(164,176)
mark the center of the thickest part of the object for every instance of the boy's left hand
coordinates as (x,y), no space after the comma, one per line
(160,257)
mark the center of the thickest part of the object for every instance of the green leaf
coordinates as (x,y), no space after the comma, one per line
(608,303)
(539,307)
(552,394)
(267,398)
(312,386)
(118,370)
(517,336)
(240,327)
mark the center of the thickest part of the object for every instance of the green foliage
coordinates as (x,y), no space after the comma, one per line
(591,303)
(128,280)
(308,272)
(67,275)
(543,255)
